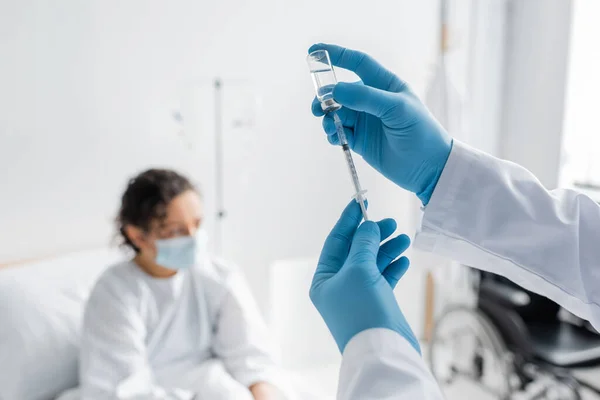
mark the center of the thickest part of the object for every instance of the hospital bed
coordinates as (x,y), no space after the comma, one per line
(41,304)
(515,344)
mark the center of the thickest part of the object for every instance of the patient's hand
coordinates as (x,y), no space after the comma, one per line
(265,391)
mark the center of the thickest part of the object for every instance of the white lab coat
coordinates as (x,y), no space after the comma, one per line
(197,333)
(496,216)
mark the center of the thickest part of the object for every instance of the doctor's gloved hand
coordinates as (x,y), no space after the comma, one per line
(386,123)
(353,285)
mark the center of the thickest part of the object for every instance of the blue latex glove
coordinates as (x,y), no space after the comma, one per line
(387,124)
(353,285)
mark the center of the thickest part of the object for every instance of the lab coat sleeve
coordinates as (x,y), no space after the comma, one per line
(113,361)
(242,340)
(380,364)
(496,216)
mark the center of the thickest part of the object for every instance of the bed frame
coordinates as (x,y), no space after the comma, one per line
(49,256)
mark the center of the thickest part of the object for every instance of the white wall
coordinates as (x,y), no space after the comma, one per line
(536,71)
(581,161)
(88,89)
(486,75)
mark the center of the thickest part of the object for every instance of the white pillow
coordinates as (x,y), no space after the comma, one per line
(41,306)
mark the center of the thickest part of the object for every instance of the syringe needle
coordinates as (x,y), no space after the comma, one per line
(360,193)
(324,80)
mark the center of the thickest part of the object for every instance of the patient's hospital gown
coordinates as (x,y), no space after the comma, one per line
(198,333)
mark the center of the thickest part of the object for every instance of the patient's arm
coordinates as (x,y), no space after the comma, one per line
(243,342)
(265,391)
(113,362)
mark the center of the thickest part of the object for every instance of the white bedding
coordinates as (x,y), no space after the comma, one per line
(41,305)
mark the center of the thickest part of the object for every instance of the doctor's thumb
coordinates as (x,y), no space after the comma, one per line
(359,97)
(365,245)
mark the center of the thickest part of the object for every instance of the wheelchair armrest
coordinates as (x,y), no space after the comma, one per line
(511,297)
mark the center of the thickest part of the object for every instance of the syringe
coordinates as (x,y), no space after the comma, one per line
(324,80)
(360,193)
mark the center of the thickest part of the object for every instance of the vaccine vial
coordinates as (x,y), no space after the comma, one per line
(323,78)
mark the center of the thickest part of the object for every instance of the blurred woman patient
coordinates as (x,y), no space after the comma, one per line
(172,322)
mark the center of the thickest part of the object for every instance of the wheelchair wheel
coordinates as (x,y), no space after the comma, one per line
(554,387)
(466,346)
(563,390)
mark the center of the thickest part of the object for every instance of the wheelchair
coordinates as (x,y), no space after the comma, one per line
(513,345)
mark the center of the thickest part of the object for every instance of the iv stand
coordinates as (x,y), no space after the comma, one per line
(219,195)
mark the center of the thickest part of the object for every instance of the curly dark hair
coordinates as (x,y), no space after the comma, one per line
(146,199)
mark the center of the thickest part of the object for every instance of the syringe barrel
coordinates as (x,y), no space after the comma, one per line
(351,166)
(340,130)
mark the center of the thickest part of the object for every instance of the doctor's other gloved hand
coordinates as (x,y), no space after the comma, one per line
(386,123)
(353,285)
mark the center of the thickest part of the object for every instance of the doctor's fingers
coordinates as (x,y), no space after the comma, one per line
(335,139)
(316,108)
(364,248)
(337,245)
(391,250)
(395,271)
(387,227)
(346,116)
(370,71)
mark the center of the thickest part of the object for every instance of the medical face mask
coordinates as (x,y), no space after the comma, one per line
(181,252)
